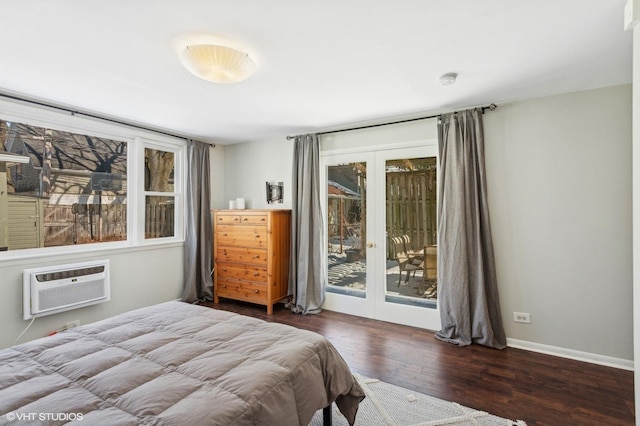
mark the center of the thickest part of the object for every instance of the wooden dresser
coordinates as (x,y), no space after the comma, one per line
(251,255)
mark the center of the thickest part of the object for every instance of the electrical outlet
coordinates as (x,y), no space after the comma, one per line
(523,317)
(73,324)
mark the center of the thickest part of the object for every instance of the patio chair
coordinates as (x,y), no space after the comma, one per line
(407,261)
(431,262)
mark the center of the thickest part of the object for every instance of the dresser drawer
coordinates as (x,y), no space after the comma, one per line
(250,236)
(243,290)
(253,256)
(241,272)
(242,218)
(228,218)
(253,219)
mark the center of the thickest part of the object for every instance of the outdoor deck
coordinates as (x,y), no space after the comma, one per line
(352,275)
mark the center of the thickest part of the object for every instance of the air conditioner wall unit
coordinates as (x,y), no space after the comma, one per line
(60,288)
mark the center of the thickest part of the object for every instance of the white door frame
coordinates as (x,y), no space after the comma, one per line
(374,304)
(363,307)
(416,316)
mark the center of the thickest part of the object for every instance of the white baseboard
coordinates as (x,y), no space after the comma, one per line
(607,361)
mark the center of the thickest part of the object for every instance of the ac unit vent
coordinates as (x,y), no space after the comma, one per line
(53,276)
(61,288)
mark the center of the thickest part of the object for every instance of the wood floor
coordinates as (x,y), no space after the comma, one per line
(512,383)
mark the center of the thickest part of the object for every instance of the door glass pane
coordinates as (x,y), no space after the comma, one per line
(346,204)
(411,270)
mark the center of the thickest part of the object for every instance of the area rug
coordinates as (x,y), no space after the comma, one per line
(391,405)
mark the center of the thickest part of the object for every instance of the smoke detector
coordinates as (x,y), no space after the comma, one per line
(448,78)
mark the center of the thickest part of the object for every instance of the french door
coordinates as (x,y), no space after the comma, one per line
(380,223)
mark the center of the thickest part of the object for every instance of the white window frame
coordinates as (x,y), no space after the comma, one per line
(179,176)
(137,140)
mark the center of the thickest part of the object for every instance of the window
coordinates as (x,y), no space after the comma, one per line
(160,195)
(72,190)
(102,184)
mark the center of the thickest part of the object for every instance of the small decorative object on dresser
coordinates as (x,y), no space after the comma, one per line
(251,255)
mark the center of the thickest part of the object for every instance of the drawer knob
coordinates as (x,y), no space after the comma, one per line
(257,256)
(257,274)
(235,219)
(245,219)
(263,219)
(257,291)
(224,286)
(224,235)
(257,236)
(224,269)
(224,252)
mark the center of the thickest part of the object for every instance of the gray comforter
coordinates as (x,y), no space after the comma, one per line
(174,364)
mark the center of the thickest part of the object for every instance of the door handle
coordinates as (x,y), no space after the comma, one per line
(370,245)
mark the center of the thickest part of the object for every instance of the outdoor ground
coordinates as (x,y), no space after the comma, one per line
(343,273)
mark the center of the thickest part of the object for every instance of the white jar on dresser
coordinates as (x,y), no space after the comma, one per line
(251,255)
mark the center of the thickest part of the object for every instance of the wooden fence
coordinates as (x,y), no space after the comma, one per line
(411,207)
(410,210)
(159,220)
(86,223)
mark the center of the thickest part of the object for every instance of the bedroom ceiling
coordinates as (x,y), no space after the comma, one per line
(320,65)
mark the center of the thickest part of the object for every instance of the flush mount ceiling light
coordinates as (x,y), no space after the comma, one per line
(219,64)
(448,79)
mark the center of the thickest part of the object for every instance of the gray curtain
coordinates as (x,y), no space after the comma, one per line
(467,284)
(306,274)
(198,283)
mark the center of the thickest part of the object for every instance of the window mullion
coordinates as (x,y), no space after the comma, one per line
(136,195)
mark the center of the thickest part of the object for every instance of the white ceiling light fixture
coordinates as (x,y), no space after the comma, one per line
(448,79)
(219,64)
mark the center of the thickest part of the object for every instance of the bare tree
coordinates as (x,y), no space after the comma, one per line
(159,167)
(4,133)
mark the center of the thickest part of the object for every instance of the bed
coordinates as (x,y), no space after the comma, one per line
(175,363)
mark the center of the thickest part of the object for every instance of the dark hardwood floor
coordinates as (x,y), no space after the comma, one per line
(512,383)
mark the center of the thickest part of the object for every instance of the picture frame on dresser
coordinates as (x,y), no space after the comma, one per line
(251,255)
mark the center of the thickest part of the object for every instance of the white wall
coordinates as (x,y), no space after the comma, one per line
(636,211)
(380,137)
(139,277)
(248,166)
(216,168)
(559,176)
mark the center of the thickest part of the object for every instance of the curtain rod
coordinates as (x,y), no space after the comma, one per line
(490,107)
(76,112)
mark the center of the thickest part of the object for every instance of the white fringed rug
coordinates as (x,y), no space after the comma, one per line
(391,405)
